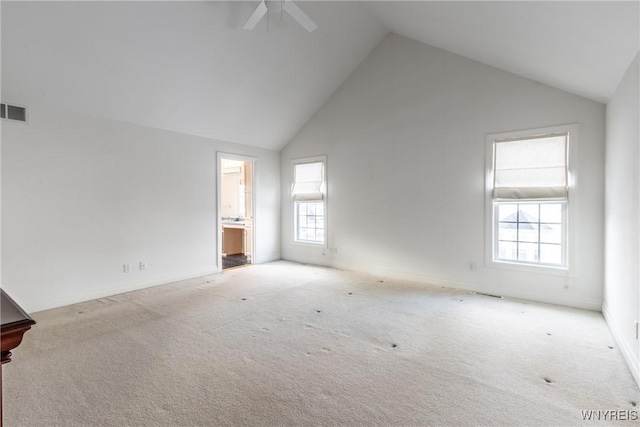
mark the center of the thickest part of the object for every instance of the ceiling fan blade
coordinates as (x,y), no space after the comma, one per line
(256,16)
(298,14)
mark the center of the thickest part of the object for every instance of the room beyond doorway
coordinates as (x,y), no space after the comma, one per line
(235,211)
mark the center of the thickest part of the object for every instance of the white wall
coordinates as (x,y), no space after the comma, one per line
(81,196)
(405,140)
(622,216)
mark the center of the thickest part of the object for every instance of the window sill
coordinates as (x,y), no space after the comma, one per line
(309,244)
(530,268)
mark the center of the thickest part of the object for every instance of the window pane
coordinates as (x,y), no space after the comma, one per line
(551,233)
(302,208)
(528,252)
(551,212)
(551,254)
(303,233)
(508,231)
(507,212)
(311,221)
(508,250)
(528,212)
(527,232)
(311,208)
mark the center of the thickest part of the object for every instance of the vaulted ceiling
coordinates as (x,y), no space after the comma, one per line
(190,68)
(582,47)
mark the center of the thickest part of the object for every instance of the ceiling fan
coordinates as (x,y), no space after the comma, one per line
(288,6)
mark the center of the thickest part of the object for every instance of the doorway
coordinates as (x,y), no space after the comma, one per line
(235,211)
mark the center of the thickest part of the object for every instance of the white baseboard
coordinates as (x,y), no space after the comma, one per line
(623,344)
(116,289)
(268,258)
(583,303)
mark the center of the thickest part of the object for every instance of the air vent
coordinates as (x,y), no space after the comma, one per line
(488,295)
(13,112)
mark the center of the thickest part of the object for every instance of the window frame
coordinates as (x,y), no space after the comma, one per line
(295,203)
(569,247)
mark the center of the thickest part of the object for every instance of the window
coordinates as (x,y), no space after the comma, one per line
(310,222)
(530,232)
(309,199)
(528,188)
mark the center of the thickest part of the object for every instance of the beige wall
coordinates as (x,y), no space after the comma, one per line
(82,196)
(405,140)
(622,216)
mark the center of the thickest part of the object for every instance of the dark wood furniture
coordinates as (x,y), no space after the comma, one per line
(15,322)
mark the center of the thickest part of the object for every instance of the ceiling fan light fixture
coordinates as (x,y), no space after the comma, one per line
(298,14)
(288,6)
(256,16)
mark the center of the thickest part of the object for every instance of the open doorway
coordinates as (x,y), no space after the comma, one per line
(236,211)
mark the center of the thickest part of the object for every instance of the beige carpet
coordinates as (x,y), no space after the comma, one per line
(286,344)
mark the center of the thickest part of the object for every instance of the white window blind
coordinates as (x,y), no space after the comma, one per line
(308,179)
(531,168)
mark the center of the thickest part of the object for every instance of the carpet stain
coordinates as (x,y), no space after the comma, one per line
(549,333)
(265,329)
(610,347)
(380,281)
(350,293)
(548,381)
(394,345)
(318,311)
(244,299)
(633,403)
(81,312)
(310,326)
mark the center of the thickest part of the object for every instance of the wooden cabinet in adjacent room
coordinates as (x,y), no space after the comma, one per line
(232,239)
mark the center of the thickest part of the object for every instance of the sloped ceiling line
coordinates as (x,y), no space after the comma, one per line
(190,68)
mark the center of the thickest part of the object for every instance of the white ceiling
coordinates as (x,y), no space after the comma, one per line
(183,66)
(582,47)
(188,66)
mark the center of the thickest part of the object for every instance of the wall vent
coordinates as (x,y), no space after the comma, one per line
(13,112)
(488,295)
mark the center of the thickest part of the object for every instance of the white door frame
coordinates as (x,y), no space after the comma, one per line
(231,156)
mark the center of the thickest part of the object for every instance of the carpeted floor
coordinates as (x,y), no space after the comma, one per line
(285,344)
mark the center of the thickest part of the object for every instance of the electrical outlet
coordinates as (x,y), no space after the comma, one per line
(143,265)
(127,268)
